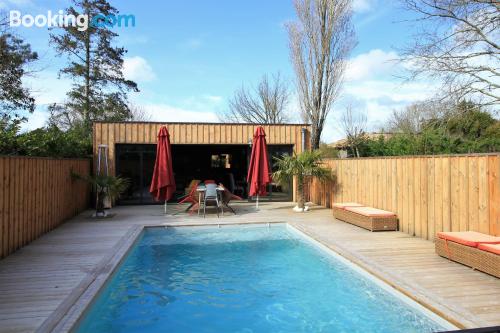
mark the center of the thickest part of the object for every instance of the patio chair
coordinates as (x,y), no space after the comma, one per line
(191,196)
(211,195)
(194,183)
(227,196)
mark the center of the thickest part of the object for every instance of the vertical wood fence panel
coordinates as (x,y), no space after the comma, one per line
(428,193)
(37,195)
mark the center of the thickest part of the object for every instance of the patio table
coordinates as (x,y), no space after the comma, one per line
(224,194)
(202,189)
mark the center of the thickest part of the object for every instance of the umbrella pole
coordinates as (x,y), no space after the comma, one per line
(165,206)
(257,202)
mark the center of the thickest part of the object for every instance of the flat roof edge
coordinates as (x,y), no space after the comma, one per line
(198,123)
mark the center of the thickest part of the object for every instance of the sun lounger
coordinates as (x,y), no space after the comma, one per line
(339,211)
(474,249)
(369,218)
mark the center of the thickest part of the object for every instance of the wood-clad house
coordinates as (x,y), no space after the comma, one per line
(218,151)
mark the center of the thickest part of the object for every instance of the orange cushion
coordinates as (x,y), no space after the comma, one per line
(493,248)
(343,205)
(469,238)
(370,211)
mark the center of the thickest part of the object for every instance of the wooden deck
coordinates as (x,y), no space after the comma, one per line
(40,282)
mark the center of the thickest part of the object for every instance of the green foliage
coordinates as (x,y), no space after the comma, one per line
(15,55)
(113,186)
(467,129)
(46,142)
(53,142)
(9,129)
(95,65)
(328,151)
(305,164)
(105,186)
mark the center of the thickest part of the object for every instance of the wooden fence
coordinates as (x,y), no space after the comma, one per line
(428,193)
(37,195)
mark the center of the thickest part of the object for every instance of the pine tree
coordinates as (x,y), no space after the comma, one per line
(15,56)
(95,65)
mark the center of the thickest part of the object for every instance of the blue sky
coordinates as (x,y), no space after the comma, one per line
(188,57)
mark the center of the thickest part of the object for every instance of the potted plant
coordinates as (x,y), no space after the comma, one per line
(301,166)
(105,186)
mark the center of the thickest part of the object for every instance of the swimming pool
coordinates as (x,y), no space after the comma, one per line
(245,279)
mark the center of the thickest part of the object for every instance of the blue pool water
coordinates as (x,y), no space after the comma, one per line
(243,279)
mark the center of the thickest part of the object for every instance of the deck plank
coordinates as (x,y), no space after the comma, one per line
(36,280)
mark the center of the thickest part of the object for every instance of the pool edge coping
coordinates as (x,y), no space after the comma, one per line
(377,280)
(72,308)
(407,290)
(66,315)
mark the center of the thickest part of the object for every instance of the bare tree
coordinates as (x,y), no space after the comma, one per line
(354,127)
(139,113)
(320,42)
(413,117)
(458,44)
(264,104)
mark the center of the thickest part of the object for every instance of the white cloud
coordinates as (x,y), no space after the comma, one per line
(138,69)
(48,88)
(372,88)
(390,90)
(373,63)
(214,98)
(362,5)
(377,99)
(35,120)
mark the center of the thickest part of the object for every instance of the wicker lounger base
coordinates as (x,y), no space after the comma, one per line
(470,256)
(368,222)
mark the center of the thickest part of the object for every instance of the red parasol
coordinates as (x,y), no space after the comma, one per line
(258,170)
(163,182)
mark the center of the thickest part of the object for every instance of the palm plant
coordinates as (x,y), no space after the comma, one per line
(301,166)
(106,186)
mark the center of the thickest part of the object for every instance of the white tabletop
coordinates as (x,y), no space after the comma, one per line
(204,188)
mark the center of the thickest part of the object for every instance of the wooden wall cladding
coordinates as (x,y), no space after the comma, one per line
(110,133)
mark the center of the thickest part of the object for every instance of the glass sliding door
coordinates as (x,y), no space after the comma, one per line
(136,162)
(275,191)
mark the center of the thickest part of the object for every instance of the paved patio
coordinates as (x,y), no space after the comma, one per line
(40,283)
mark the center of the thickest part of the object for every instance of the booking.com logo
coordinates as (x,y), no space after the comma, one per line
(81,21)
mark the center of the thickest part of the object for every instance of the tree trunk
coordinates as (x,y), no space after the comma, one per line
(86,111)
(99,209)
(315,138)
(300,192)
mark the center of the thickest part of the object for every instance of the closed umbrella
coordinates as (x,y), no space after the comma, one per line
(163,182)
(258,170)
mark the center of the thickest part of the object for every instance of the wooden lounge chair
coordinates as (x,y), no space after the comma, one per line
(473,249)
(369,218)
